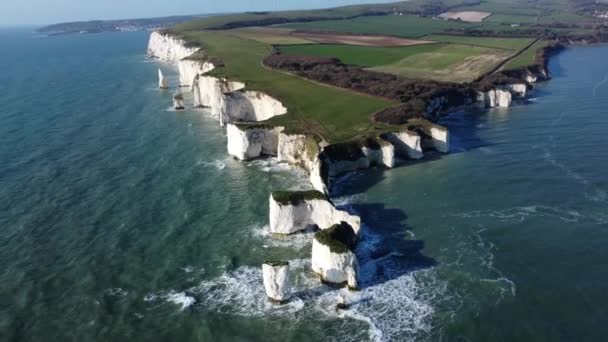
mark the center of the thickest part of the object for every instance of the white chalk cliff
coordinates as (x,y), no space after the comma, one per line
(168,48)
(302,151)
(407,144)
(495,98)
(246,143)
(276,281)
(384,156)
(210,92)
(288,218)
(189,70)
(440,137)
(249,106)
(337,268)
(226,99)
(518,89)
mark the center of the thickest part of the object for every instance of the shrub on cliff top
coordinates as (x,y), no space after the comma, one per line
(297,197)
(340,238)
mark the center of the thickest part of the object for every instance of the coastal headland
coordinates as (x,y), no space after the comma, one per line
(339,90)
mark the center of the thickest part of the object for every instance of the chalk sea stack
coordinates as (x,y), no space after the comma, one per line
(162,81)
(276,280)
(178,102)
(333,256)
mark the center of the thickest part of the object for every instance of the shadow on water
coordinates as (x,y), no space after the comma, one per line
(386,252)
(464,127)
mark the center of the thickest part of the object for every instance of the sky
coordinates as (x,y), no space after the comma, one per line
(38,12)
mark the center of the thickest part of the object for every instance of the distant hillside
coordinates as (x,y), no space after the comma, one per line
(97,26)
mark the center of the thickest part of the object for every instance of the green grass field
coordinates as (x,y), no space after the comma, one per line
(456,59)
(515,44)
(360,55)
(512,19)
(335,114)
(403,26)
(411,6)
(527,58)
(451,62)
(273,36)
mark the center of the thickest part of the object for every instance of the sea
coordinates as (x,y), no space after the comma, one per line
(124,220)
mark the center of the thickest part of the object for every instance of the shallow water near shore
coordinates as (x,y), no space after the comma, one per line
(122,220)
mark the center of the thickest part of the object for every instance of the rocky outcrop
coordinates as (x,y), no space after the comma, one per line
(385,155)
(246,142)
(303,151)
(291,212)
(407,144)
(249,106)
(276,280)
(178,102)
(168,48)
(495,98)
(333,256)
(347,157)
(189,70)
(440,138)
(210,92)
(518,90)
(162,81)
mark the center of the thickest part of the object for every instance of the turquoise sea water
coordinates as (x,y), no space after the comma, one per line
(121,220)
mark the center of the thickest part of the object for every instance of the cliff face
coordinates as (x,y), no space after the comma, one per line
(233,104)
(303,151)
(226,99)
(249,106)
(337,268)
(276,281)
(168,48)
(288,218)
(189,70)
(250,143)
(407,144)
(210,92)
(333,256)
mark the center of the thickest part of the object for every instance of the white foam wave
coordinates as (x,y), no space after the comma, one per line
(181,299)
(218,164)
(296,241)
(116,292)
(521,214)
(241,292)
(600,84)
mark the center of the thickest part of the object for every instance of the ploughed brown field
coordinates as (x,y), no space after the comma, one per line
(361,40)
(466,16)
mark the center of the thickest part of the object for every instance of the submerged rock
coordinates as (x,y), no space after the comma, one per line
(333,256)
(276,280)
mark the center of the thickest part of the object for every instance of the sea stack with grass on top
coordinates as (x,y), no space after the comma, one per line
(276,280)
(333,256)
